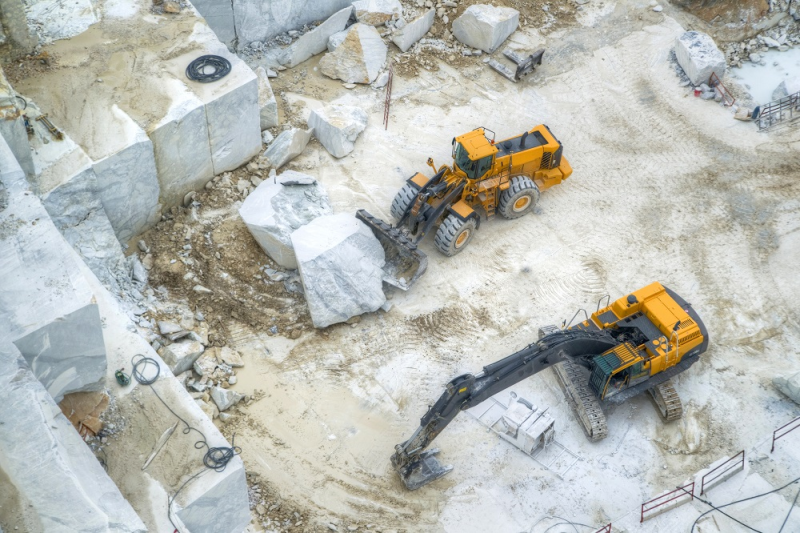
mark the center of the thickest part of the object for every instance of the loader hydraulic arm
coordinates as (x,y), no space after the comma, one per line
(418,467)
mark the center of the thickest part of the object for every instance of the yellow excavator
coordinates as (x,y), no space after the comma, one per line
(632,345)
(486,177)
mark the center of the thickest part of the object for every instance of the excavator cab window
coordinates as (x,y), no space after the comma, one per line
(473,169)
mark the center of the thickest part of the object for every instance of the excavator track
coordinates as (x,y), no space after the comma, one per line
(582,400)
(667,400)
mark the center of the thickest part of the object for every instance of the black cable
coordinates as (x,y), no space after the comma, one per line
(216,458)
(790,512)
(197,69)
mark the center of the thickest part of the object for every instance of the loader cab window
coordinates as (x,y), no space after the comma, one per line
(473,169)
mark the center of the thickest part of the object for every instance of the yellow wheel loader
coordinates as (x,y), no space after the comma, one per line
(632,345)
(486,177)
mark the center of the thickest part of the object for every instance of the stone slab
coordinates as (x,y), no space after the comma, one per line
(57,19)
(286,146)
(789,385)
(315,41)
(219,16)
(412,32)
(699,56)
(267,104)
(485,27)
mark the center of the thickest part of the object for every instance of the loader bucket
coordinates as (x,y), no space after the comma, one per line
(404,262)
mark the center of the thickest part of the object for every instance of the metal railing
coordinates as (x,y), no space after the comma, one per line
(785,110)
(715,83)
(664,499)
(605,529)
(734,462)
(796,425)
(388,100)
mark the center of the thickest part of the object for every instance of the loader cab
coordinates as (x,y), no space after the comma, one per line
(473,154)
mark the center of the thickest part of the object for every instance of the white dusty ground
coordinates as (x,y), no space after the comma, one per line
(665,187)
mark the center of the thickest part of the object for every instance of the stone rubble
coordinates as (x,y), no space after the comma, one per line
(286,146)
(340,263)
(337,127)
(699,56)
(280,206)
(485,27)
(358,58)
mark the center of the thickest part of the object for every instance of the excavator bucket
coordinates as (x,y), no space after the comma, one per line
(426,469)
(404,262)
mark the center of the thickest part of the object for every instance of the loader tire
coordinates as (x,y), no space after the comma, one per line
(520,197)
(454,235)
(403,200)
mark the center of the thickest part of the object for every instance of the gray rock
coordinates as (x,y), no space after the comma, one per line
(138,272)
(382,80)
(359,58)
(377,12)
(315,41)
(340,263)
(180,356)
(658,9)
(789,385)
(267,104)
(288,145)
(168,327)
(786,87)
(231,357)
(275,209)
(699,56)
(224,507)
(336,39)
(225,398)
(485,27)
(412,32)
(266,137)
(219,16)
(770,42)
(337,126)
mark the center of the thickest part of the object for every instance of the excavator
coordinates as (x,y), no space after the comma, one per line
(632,345)
(486,177)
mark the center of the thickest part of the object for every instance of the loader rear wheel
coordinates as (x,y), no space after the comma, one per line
(403,200)
(520,197)
(454,234)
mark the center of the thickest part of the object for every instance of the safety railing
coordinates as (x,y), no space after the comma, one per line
(655,506)
(737,461)
(784,429)
(715,83)
(605,529)
(785,110)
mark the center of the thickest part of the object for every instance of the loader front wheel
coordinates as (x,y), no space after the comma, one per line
(454,234)
(403,200)
(520,197)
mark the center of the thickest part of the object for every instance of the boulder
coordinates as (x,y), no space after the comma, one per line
(267,104)
(225,398)
(180,356)
(315,41)
(337,126)
(288,145)
(278,207)
(340,263)
(788,86)
(699,56)
(789,385)
(413,31)
(359,58)
(377,12)
(485,27)
(336,39)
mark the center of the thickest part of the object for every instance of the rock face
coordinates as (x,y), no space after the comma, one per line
(315,41)
(789,385)
(788,86)
(377,12)
(359,58)
(485,27)
(288,145)
(340,263)
(337,127)
(412,32)
(267,104)
(274,210)
(699,56)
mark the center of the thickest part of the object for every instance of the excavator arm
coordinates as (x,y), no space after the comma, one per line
(418,467)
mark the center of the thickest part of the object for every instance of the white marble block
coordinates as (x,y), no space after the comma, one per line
(337,126)
(699,56)
(485,27)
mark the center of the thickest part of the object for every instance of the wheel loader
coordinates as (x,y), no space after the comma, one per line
(632,345)
(485,177)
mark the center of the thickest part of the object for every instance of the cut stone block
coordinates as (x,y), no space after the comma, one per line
(485,27)
(180,356)
(788,86)
(12,124)
(57,19)
(219,16)
(224,505)
(337,126)
(48,463)
(699,57)
(315,41)
(267,103)
(377,12)
(286,146)
(274,210)
(359,58)
(340,263)
(789,385)
(412,32)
